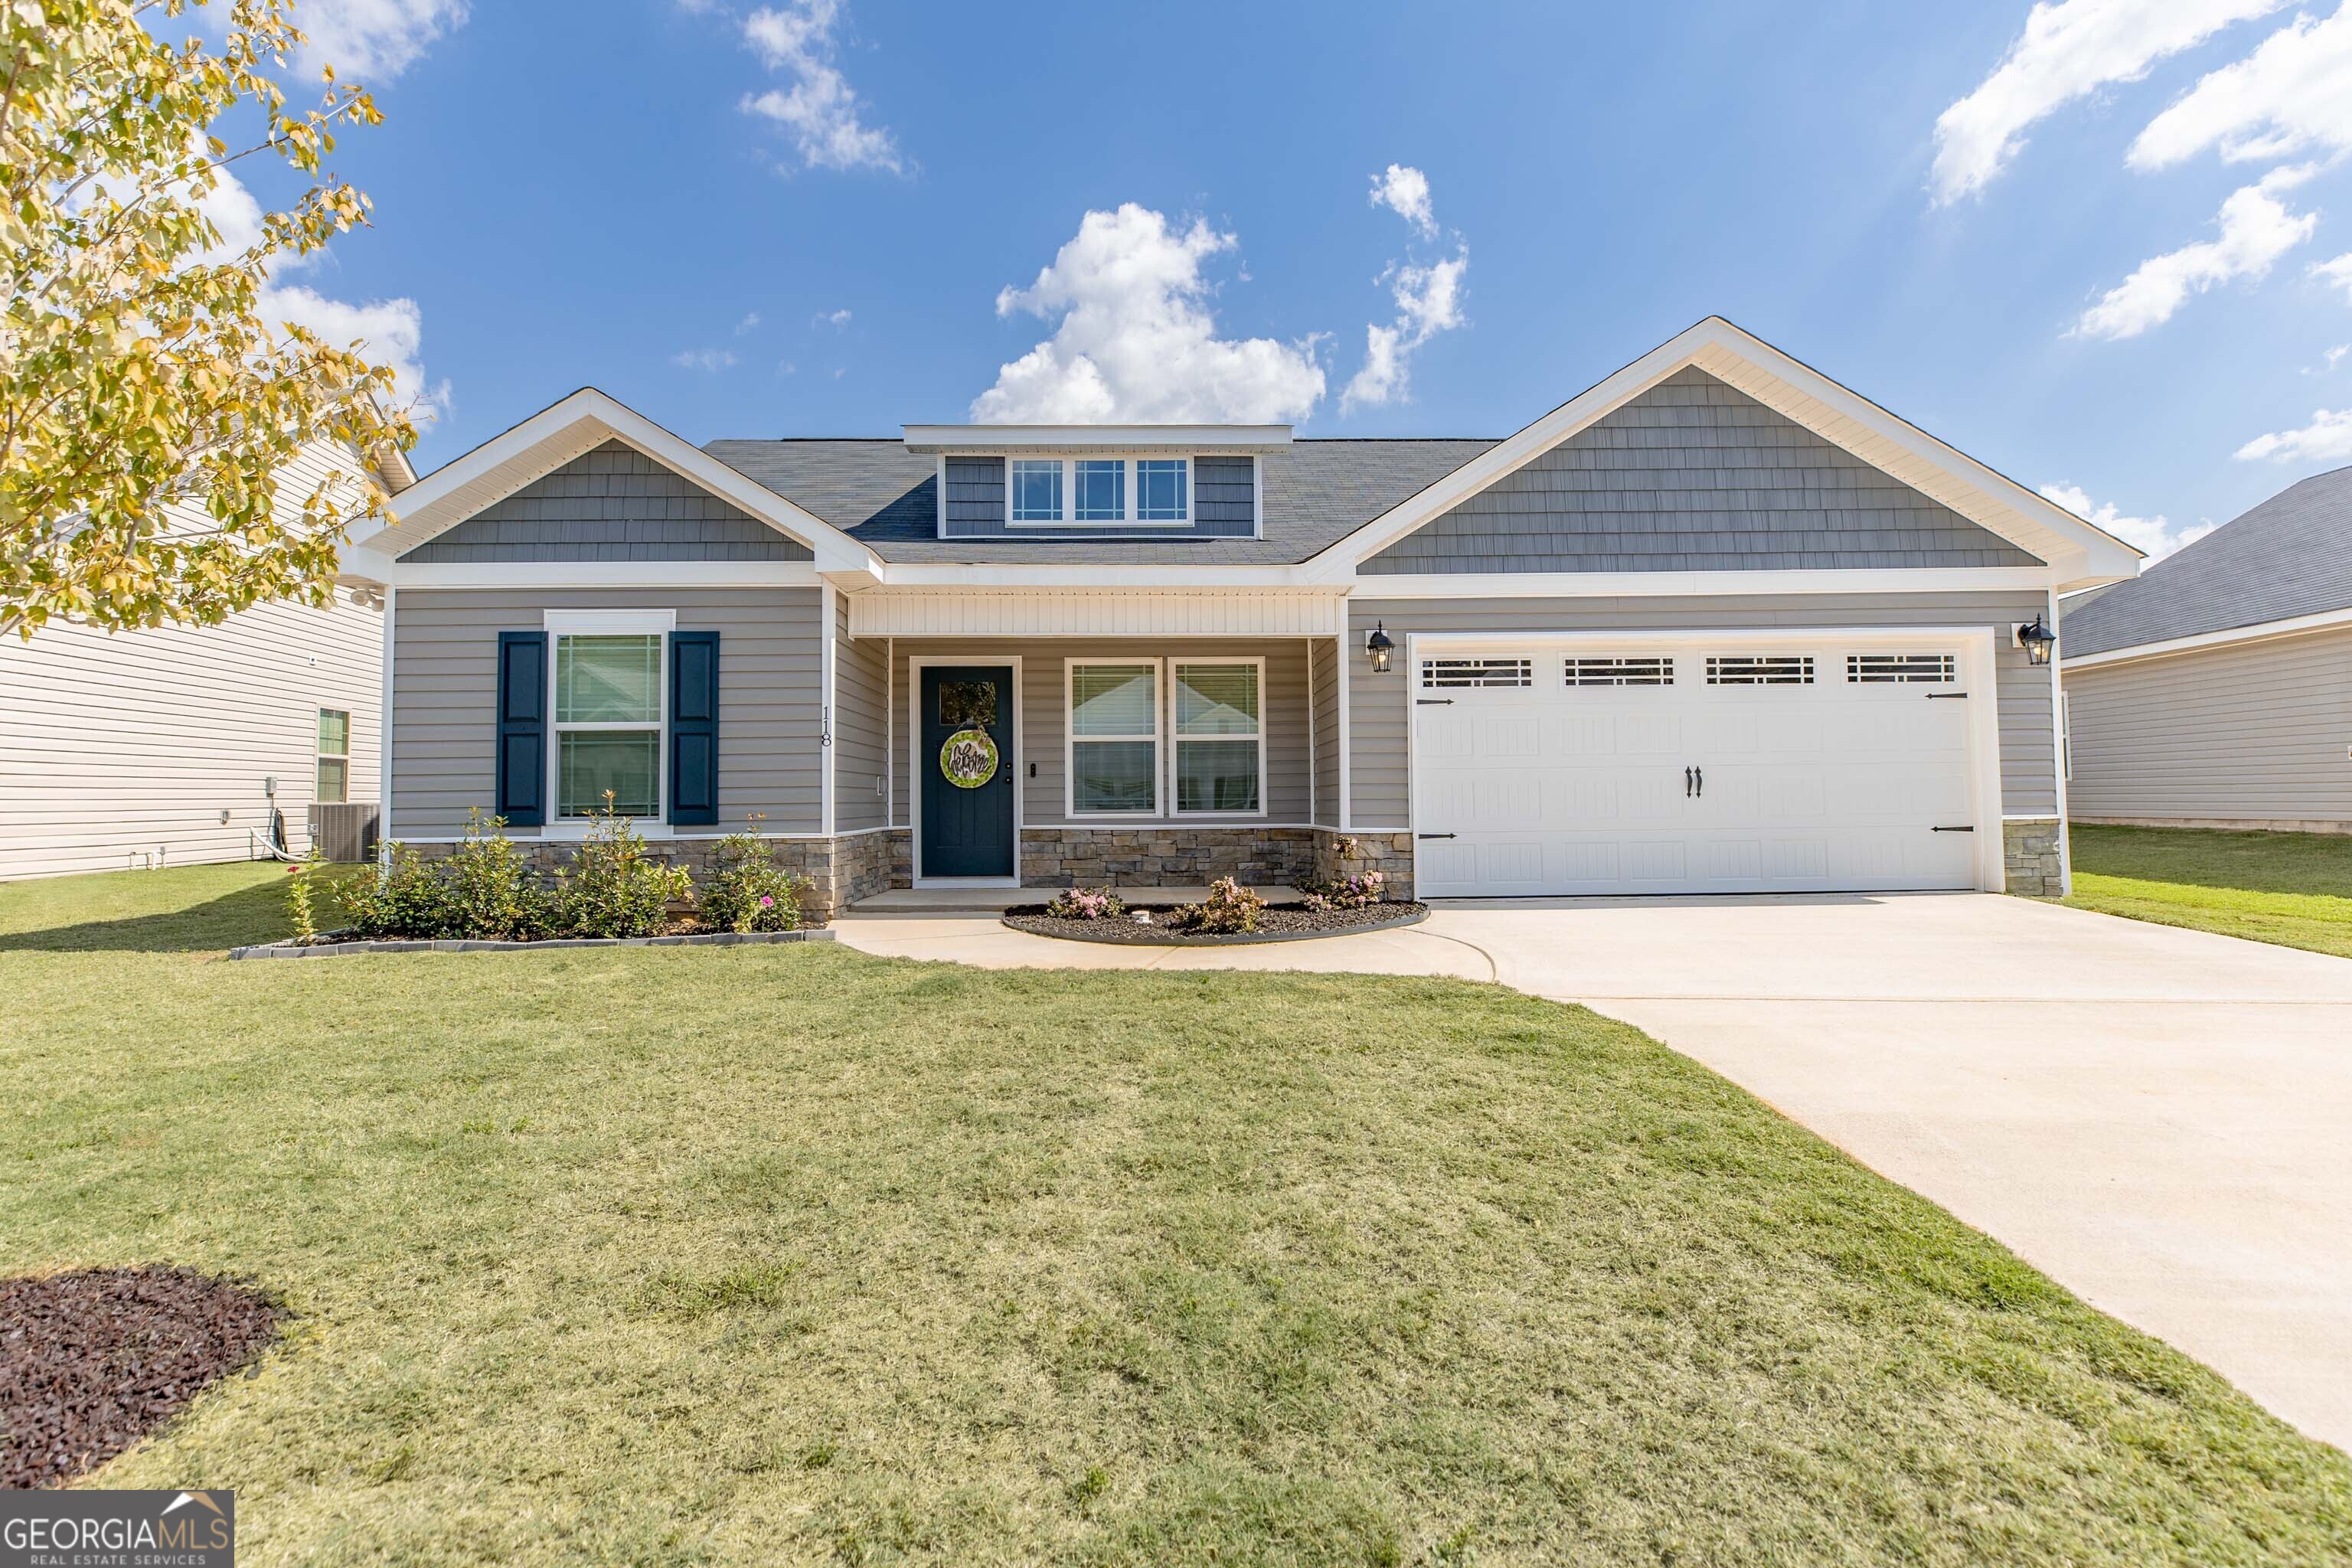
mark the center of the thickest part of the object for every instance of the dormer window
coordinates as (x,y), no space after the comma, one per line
(1100,493)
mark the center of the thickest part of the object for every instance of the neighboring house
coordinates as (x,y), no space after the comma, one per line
(1686,633)
(177,744)
(2216,690)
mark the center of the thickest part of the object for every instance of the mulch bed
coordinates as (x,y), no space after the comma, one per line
(1275,922)
(91,1361)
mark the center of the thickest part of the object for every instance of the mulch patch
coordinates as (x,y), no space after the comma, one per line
(93,1360)
(1275,920)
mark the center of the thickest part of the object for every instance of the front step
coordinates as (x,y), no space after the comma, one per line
(996,900)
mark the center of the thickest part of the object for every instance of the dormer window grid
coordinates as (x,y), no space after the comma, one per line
(1098,492)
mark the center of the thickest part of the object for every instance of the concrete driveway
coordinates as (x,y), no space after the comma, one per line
(2160,1119)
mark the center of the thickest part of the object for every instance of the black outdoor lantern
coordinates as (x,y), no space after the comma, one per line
(2037,640)
(1379,644)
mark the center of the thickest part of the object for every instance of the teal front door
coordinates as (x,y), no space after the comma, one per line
(965,767)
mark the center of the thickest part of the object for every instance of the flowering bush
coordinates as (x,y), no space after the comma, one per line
(298,897)
(747,890)
(1229,907)
(486,889)
(1348,893)
(613,887)
(1087,904)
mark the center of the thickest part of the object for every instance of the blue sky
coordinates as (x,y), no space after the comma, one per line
(603,199)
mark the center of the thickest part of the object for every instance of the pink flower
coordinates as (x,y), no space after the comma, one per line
(767,900)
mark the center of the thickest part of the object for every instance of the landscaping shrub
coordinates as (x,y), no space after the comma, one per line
(747,890)
(1087,904)
(1347,893)
(299,912)
(1229,907)
(405,896)
(613,887)
(486,890)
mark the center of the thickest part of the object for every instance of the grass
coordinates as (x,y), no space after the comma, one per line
(787,1254)
(2293,888)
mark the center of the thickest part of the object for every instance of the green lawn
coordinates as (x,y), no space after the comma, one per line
(2293,888)
(785,1254)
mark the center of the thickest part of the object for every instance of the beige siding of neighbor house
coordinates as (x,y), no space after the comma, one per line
(444,697)
(1283,721)
(1380,712)
(2253,734)
(155,747)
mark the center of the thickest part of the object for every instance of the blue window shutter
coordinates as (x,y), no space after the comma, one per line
(522,728)
(693,729)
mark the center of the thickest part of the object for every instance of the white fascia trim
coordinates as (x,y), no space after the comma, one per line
(381,569)
(987,575)
(611,623)
(2094,554)
(1651,585)
(2326,620)
(991,439)
(556,434)
(1778,637)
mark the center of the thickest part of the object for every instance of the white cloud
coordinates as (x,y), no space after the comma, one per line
(703,358)
(2067,50)
(1404,190)
(389,331)
(2326,440)
(1428,300)
(2338,271)
(821,109)
(2334,356)
(2157,535)
(2294,91)
(373,40)
(750,320)
(836,320)
(2256,230)
(1135,340)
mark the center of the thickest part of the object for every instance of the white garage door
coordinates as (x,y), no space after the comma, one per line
(1712,766)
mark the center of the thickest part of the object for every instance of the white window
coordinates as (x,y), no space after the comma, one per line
(1098,492)
(1036,490)
(334,780)
(1219,737)
(1113,758)
(608,712)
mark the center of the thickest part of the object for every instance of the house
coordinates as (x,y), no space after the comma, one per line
(2216,690)
(1715,625)
(176,744)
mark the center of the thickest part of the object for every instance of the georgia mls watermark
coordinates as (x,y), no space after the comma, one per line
(118,1530)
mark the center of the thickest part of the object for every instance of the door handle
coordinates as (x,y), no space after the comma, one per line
(1686,782)
(1702,782)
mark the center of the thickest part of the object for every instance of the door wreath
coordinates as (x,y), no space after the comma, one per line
(968,758)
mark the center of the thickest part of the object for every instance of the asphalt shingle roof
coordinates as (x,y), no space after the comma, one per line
(2290,556)
(1317,491)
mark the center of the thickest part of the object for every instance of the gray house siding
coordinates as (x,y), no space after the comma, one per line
(2252,735)
(1693,476)
(1284,719)
(861,712)
(444,692)
(1224,506)
(613,503)
(1323,662)
(1380,705)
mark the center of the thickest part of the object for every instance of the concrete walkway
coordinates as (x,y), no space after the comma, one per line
(2161,1119)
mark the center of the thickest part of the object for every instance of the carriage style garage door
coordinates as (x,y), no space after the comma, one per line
(1731,763)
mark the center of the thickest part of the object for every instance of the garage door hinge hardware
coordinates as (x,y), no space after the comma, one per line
(1952,830)
(1433,836)
(1944,696)
(1432,702)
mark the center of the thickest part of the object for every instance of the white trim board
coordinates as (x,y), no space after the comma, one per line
(2262,631)
(1698,585)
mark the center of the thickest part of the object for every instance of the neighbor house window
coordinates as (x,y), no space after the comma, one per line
(1101,489)
(608,723)
(334,782)
(1036,490)
(1114,739)
(1161,492)
(1220,743)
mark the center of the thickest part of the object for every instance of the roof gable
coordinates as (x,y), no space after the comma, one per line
(2077,551)
(1694,475)
(2289,557)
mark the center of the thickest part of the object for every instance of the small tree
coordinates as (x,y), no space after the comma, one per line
(147,404)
